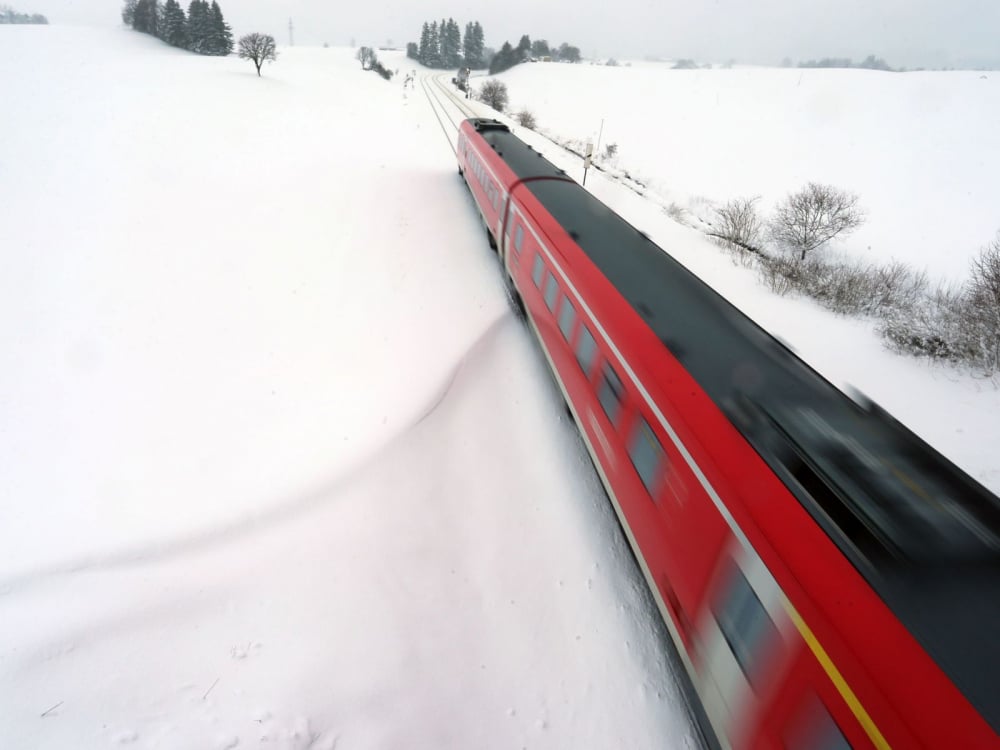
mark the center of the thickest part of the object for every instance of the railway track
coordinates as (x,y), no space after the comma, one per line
(449,109)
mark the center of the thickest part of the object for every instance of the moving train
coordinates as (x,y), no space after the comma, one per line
(829,580)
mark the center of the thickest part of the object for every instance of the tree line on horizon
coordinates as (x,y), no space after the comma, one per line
(202,30)
(444,46)
(869,63)
(526,49)
(9,15)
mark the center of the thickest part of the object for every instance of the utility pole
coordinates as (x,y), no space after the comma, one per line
(291,36)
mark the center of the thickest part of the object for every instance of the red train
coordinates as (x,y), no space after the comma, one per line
(829,580)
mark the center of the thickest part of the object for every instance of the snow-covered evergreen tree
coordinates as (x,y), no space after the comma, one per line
(434,47)
(128,12)
(454,37)
(198,26)
(221,35)
(443,46)
(505,59)
(523,50)
(203,30)
(174,25)
(145,16)
(478,47)
(424,51)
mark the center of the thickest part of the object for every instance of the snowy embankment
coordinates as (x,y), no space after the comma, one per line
(276,463)
(917,147)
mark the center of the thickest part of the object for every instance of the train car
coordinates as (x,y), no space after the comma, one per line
(828,579)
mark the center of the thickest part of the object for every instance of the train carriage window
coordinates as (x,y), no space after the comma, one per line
(646,454)
(551,293)
(567,317)
(610,393)
(745,624)
(586,350)
(538,271)
(518,238)
(815,729)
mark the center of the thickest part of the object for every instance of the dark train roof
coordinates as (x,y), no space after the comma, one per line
(922,532)
(521,158)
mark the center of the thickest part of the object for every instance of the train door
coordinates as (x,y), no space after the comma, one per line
(742,650)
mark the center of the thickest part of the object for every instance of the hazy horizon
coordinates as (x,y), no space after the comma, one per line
(906,33)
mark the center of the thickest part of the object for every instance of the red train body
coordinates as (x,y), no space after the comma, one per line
(784,641)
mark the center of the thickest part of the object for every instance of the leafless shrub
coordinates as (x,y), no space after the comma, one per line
(895,287)
(844,286)
(957,324)
(961,325)
(936,329)
(610,150)
(677,213)
(738,226)
(983,301)
(526,119)
(813,216)
(778,273)
(848,287)
(494,94)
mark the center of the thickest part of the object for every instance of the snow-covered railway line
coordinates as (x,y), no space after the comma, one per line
(448,109)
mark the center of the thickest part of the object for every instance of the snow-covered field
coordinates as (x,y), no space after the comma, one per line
(920,148)
(278,466)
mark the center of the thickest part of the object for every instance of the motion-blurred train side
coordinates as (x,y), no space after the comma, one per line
(829,580)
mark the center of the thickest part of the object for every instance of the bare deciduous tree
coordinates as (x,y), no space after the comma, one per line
(739,225)
(258,48)
(815,215)
(367,57)
(494,93)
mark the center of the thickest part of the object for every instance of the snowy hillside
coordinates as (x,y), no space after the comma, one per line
(277,465)
(919,148)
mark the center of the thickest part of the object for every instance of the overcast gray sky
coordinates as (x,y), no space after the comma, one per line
(905,32)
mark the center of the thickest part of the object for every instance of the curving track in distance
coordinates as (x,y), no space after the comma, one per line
(449,108)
